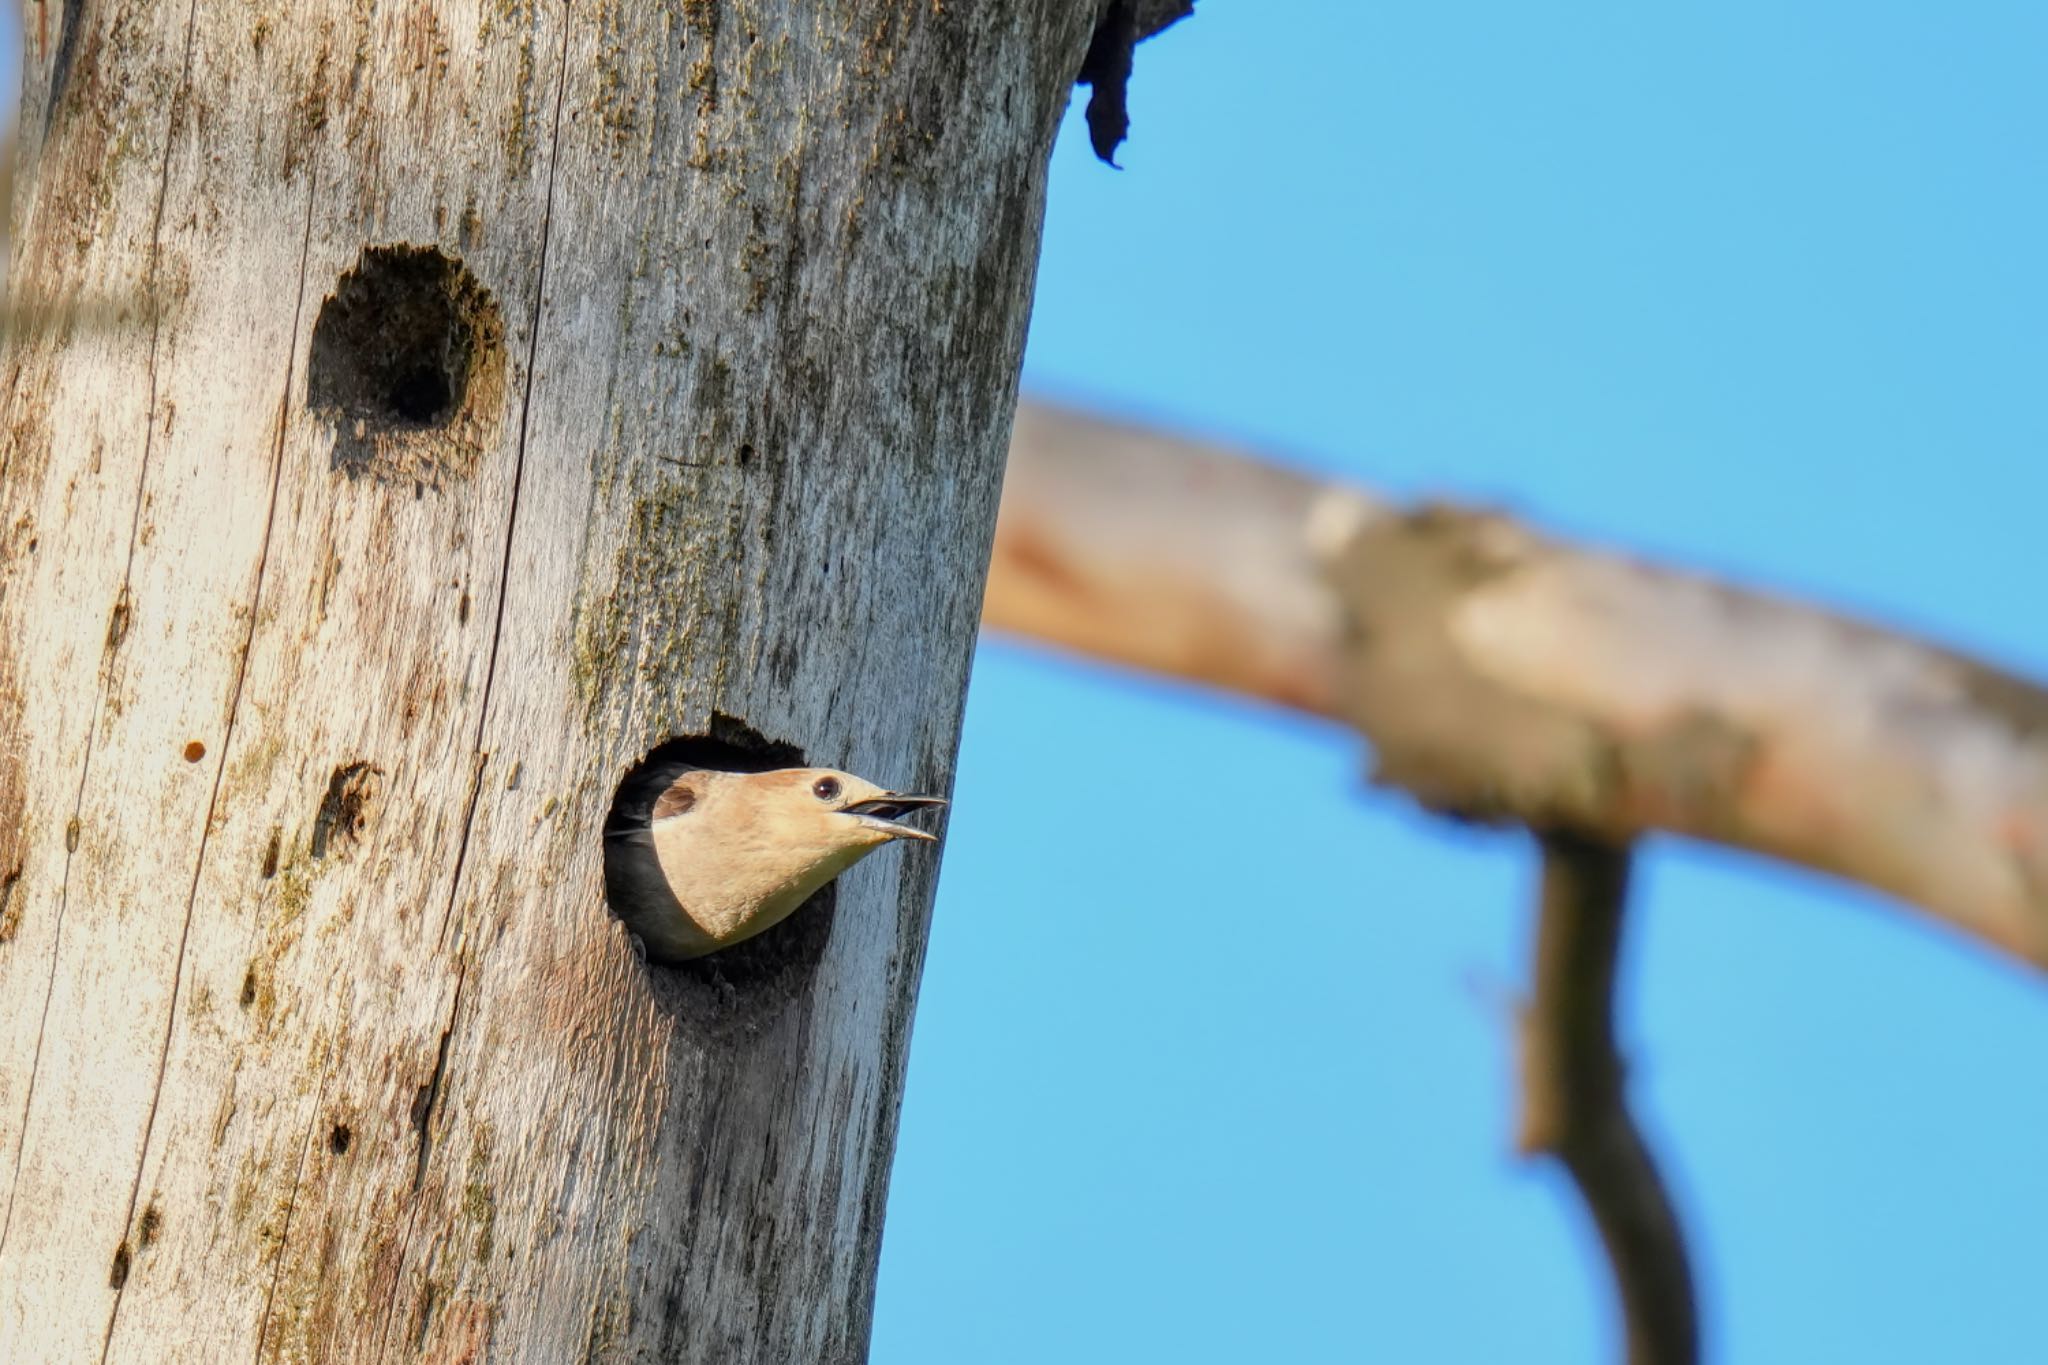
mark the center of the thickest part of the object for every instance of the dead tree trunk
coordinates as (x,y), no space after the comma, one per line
(505,389)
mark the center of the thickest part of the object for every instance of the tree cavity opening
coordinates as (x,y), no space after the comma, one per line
(408,367)
(736,988)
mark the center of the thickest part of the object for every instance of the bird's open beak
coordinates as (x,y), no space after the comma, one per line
(886,812)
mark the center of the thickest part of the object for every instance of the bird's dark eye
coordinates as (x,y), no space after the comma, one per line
(825,788)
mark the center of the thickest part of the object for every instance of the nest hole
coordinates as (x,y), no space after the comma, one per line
(737,988)
(407,366)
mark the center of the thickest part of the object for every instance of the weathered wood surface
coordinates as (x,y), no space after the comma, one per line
(1502,674)
(316,1039)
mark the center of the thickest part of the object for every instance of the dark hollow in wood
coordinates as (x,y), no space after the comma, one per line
(10,905)
(346,809)
(408,365)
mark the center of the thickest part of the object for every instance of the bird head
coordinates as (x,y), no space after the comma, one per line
(739,851)
(804,813)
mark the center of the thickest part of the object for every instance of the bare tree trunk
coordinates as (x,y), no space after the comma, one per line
(510,388)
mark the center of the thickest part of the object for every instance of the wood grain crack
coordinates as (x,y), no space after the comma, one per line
(291,1203)
(177,108)
(438,1085)
(284,402)
(430,1093)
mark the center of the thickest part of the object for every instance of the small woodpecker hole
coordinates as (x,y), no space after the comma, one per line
(346,809)
(10,905)
(408,367)
(339,1138)
(734,989)
(117,620)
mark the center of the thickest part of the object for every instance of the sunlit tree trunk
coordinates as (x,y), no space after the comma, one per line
(499,391)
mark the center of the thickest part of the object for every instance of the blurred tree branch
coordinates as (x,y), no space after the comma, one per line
(1575,1097)
(1508,677)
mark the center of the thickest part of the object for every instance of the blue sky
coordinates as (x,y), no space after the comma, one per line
(1212,1059)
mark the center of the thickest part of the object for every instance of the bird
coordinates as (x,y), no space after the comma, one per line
(717,857)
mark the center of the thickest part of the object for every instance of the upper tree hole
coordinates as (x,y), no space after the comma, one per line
(423,395)
(408,365)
